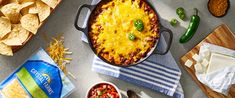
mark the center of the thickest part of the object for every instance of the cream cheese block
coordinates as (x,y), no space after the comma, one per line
(219,61)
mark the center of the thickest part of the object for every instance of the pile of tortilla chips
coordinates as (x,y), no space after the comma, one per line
(19,19)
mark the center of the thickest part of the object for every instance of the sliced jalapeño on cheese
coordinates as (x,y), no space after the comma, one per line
(131,37)
(139,25)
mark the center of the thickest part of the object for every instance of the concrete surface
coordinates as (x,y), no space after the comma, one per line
(61,21)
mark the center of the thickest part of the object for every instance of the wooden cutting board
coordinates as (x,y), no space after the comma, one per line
(221,36)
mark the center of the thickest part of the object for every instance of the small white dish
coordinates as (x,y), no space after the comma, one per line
(103,82)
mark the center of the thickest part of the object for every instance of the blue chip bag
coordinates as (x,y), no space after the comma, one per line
(38,77)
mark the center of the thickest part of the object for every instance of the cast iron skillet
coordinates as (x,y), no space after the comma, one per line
(154,50)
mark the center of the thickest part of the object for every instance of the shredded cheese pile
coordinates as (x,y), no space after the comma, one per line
(57,51)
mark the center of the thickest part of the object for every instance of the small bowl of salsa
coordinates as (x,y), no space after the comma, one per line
(103,90)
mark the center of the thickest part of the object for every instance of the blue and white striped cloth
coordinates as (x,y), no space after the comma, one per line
(159,72)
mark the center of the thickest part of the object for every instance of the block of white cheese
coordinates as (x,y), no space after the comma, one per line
(205,53)
(188,63)
(197,58)
(198,68)
(219,61)
(205,63)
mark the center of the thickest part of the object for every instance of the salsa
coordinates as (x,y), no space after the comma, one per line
(103,90)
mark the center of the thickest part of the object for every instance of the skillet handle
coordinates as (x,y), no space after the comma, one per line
(90,7)
(165,30)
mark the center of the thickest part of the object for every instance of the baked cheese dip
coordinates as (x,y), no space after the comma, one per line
(123,31)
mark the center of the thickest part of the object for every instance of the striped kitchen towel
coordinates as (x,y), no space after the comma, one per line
(159,72)
(152,73)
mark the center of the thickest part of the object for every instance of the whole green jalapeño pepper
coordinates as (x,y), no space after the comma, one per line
(193,26)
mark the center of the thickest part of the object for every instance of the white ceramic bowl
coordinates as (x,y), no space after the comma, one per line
(103,82)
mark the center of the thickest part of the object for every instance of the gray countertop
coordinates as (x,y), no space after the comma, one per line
(61,21)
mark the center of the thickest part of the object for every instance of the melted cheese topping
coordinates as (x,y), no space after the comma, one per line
(115,23)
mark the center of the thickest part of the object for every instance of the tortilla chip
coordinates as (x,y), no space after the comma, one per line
(5,50)
(30,22)
(12,39)
(43,10)
(23,1)
(23,33)
(25,7)
(51,3)
(24,11)
(26,4)
(17,36)
(5,26)
(12,11)
(40,24)
(33,10)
